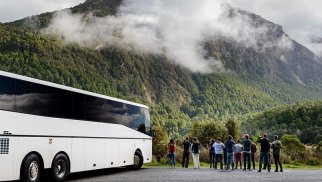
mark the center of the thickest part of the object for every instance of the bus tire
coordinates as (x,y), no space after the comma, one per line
(60,167)
(138,161)
(31,169)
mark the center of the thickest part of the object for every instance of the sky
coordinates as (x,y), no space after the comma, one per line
(301,19)
(11,10)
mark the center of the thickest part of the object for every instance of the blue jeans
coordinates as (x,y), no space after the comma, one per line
(230,157)
(172,157)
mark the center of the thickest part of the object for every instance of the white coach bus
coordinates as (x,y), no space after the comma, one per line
(49,126)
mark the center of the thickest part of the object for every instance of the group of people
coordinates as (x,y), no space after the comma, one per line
(230,153)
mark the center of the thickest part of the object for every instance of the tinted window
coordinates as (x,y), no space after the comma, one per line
(102,110)
(31,98)
(7,93)
(79,106)
(60,103)
(138,118)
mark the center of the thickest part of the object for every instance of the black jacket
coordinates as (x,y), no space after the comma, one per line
(195,148)
(265,146)
(186,146)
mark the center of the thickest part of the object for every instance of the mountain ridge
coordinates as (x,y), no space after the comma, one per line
(257,82)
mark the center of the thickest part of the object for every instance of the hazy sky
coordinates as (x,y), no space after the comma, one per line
(11,10)
(301,19)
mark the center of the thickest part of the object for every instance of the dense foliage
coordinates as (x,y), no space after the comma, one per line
(257,88)
(176,96)
(255,80)
(302,119)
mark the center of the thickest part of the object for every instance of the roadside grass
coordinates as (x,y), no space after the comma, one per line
(298,165)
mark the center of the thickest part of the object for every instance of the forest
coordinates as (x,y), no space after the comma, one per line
(176,96)
(257,94)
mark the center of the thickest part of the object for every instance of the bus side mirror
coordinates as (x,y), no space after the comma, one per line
(153,133)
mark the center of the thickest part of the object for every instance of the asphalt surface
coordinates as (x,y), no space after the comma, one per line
(190,174)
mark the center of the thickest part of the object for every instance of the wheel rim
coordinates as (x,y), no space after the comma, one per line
(60,169)
(33,170)
(136,160)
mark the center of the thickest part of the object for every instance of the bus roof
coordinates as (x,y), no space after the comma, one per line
(25,78)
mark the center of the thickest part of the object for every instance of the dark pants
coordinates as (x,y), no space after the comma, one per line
(265,156)
(269,160)
(185,159)
(253,159)
(225,157)
(246,158)
(212,159)
(277,162)
(218,158)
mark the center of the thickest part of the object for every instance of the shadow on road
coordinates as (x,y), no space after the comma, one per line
(97,173)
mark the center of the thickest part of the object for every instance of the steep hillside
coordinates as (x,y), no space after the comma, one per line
(275,56)
(255,80)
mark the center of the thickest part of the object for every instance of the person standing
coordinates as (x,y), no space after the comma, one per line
(264,153)
(212,154)
(230,153)
(253,152)
(219,146)
(172,153)
(238,149)
(246,151)
(195,152)
(276,146)
(186,152)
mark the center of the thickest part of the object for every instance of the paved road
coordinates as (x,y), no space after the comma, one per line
(179,174)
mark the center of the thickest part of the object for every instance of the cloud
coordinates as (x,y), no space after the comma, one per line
(16,9)
(175,29)
(301,19)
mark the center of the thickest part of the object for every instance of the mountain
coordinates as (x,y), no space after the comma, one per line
(256,79)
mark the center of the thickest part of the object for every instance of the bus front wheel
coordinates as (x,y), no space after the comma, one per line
(31,169)
(138,160)
(60,167)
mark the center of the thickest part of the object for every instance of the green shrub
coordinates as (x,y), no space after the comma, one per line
(313,162)
(294,148)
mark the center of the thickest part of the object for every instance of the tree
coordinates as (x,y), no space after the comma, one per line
(233,127)
(159,142)
(293,147)
(207,130)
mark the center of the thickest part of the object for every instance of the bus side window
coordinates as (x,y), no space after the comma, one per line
(99,110)
(7,93)
(60,103)
(79,106)
(31,98)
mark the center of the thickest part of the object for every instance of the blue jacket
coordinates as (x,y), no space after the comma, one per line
(230,146)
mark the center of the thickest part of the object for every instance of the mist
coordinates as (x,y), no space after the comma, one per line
(175,29)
